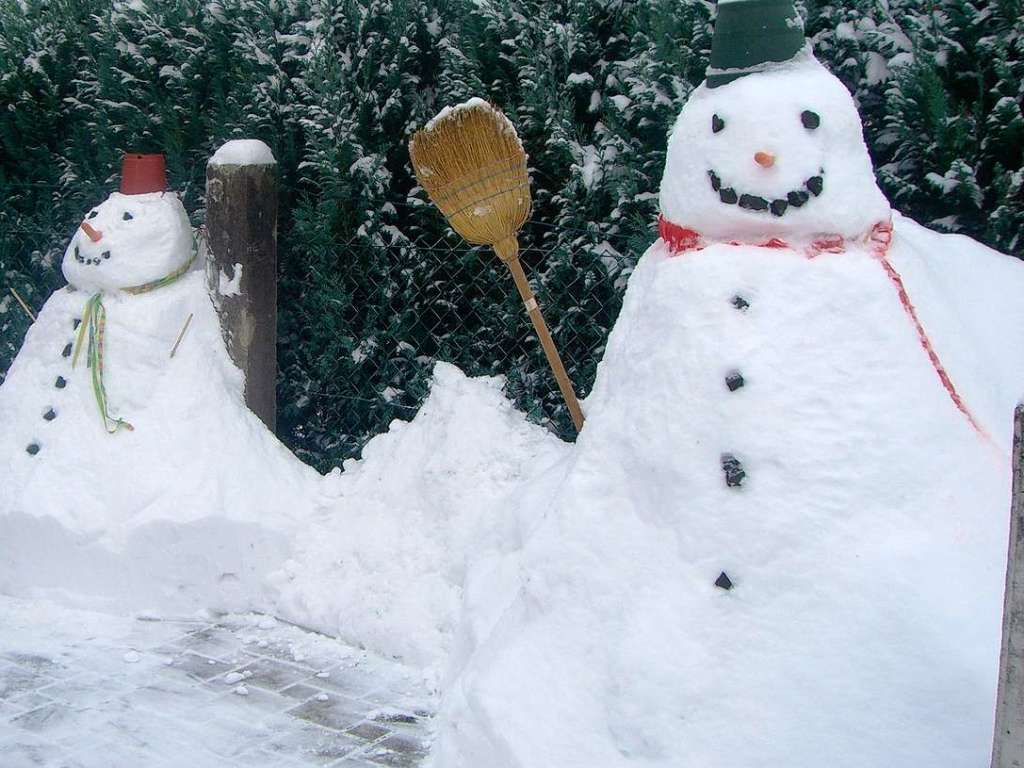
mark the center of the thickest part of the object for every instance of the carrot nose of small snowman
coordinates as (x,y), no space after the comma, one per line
(764,159)
(94,234)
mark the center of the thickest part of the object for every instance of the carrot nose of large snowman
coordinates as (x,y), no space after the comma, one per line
(94,234)
(764,159)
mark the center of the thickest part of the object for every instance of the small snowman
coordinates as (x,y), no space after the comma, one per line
(133,473)
(138,240)
(94,335)
(781,540)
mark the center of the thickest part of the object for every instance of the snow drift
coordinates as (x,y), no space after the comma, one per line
(382,561)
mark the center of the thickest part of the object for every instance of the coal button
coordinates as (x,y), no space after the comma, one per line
(733,469)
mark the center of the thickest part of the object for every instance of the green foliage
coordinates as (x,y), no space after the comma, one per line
(940,87)
(373,287)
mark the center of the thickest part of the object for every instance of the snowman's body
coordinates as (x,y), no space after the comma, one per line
(781,542)
(177,511)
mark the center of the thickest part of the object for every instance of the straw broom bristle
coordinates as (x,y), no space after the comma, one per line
(473,166)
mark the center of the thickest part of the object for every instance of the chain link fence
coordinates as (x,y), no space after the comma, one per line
(29,273)
(363,320)
(390,311)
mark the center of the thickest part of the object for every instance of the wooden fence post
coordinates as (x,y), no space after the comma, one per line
(241,222)
(1008,746)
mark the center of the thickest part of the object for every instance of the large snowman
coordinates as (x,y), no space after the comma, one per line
(133,474)
(781,541)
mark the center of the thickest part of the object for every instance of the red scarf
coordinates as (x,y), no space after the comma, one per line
(682,239)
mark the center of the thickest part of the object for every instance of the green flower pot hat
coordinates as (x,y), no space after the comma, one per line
(751,35)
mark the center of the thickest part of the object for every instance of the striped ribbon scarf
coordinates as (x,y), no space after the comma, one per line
(91,332)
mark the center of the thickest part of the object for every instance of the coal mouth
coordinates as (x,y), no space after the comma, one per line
(778,206)
(89,261)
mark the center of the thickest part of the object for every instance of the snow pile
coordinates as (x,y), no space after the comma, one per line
(190,508)
(384,559)
(243,152)
(457,112)
(865,546)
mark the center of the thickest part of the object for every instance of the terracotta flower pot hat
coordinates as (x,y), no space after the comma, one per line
(141,174)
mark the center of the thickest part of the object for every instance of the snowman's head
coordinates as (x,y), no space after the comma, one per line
(128,240)
(771,145)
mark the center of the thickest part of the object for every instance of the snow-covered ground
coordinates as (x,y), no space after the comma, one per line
(88,690)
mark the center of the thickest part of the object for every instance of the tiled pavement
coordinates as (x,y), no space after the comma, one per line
(86,690)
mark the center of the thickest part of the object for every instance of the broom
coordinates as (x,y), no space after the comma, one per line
(473,166)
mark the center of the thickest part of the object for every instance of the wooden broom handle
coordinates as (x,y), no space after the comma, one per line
(509,253)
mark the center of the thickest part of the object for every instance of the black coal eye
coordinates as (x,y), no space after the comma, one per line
(93,214)
(127,216)
(717,123)
(811,120)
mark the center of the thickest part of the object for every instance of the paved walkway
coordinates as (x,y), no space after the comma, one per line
(86,690)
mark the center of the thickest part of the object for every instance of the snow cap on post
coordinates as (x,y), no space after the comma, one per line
(141,174)
(750,34)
